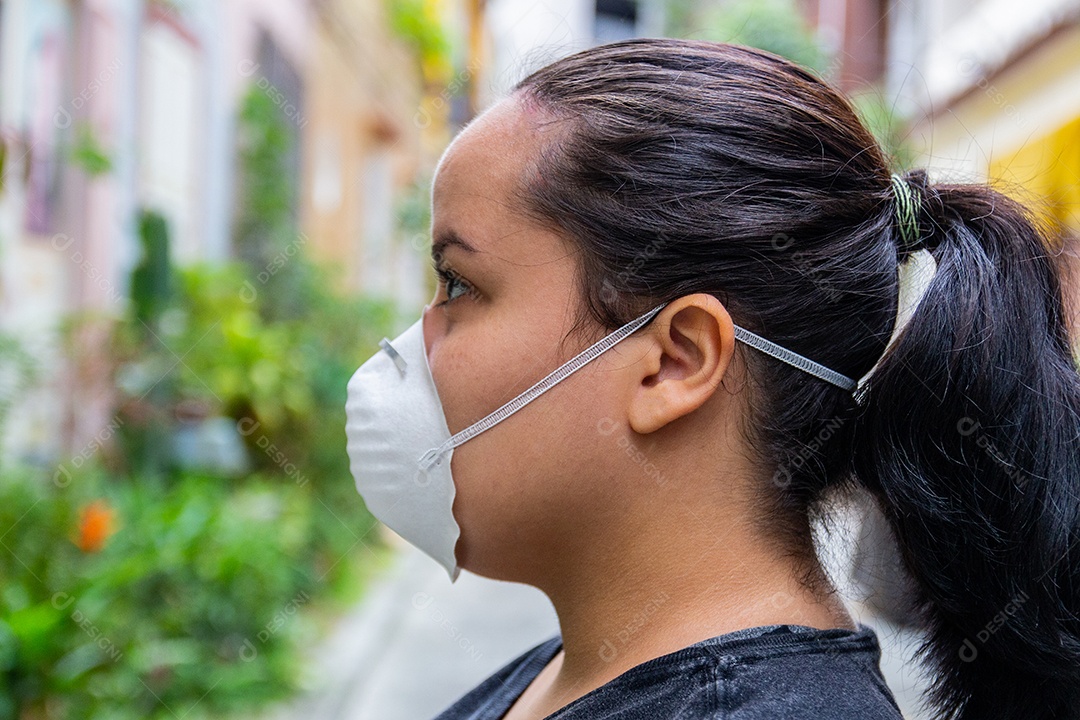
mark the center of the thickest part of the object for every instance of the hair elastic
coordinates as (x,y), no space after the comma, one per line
(907,204)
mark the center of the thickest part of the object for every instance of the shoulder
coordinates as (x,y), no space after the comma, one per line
(797,671)
(776,671)
(762,672)
(497,692)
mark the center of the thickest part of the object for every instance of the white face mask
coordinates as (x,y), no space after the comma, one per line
(400,446)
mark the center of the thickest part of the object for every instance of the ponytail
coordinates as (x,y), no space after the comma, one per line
(770,194)
(968,435)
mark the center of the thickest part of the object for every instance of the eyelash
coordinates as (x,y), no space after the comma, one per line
(447,276)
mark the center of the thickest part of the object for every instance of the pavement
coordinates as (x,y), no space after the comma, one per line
(416,643)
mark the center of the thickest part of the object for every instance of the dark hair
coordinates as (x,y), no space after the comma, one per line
(685,166)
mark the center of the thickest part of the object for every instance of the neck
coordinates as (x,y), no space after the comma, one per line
(644,596)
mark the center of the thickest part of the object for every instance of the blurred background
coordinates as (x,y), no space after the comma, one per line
(210,212)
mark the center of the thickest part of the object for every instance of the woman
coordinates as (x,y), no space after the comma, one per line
(703,241)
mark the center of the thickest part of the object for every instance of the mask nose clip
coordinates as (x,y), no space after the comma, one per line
(394,355)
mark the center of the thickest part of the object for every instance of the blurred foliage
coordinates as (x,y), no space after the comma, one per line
(891,132)
(419,24)
(189,589)
(188,606)
(779,26)
(150,279)
(773,25)
(266,218)
(267,237)
(281,382)
(155,580)
(179,580)
(18,371)
(88,153)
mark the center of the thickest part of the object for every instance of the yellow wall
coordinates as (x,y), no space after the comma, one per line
(1046,173)
(1019,128)
(1016,118)
(362,95)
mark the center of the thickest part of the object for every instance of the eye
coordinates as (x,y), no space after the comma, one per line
(452,281)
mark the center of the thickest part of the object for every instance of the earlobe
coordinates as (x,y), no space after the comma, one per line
(692,342)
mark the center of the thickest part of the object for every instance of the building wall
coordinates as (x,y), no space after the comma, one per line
(158,84)
(64,235)
(998,101)
(362,151)
(856,31)
(993,86)
(521,36)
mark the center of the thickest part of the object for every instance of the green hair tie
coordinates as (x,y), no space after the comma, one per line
(907,204)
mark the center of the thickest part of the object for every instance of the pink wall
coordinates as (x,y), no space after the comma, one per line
(290,23)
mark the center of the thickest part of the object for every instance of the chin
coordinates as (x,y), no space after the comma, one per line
(490,561)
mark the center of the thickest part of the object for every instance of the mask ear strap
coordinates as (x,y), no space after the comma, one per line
(435,455)
(794,359)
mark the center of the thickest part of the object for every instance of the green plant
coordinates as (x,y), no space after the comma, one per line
(267,200)
(18,371)
(888,127)
(151,279)
(88,153)
(281,381)
(146,436)
(190,603)
(417,23)
(137,587)
(773,25)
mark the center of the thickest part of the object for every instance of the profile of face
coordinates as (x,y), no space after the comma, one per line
(492,331)
(560,475)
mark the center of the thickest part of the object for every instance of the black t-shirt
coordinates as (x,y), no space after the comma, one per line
(770,672)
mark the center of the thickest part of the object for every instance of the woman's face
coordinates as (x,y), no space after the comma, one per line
(528,489)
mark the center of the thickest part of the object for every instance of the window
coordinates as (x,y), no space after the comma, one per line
(615,20)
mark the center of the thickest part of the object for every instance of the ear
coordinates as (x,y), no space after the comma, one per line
(687,350)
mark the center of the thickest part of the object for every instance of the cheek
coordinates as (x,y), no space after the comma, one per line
(477,371)
(525,487)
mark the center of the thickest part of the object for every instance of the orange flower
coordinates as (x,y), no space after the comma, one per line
(96,524)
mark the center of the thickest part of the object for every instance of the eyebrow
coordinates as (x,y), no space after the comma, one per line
(448,238)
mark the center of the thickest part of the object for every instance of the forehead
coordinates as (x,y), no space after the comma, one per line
(489,155)
(474,192)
